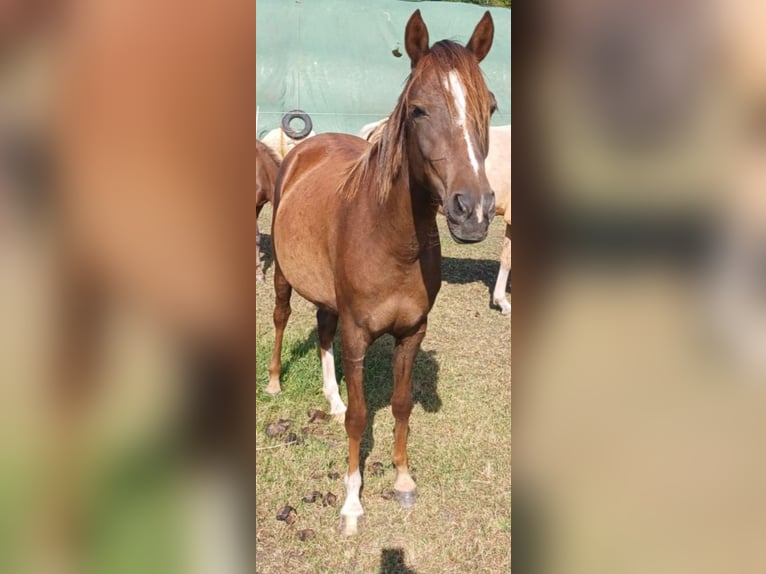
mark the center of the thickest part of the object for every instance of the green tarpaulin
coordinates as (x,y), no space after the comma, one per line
(335,59)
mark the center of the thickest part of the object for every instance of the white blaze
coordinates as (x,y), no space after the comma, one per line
(456,88)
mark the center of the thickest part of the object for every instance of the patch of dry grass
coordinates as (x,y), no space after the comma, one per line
(459,443)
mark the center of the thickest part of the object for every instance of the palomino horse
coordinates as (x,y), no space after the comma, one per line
(154,104)
(370,256)
(281,143)
(266,167)
(498,168)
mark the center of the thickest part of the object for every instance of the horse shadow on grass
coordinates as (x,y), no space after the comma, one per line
(379,385)
(392,562)
(463,271)
(378,378)
(267,259)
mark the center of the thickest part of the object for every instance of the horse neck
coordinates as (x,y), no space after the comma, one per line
(410,215)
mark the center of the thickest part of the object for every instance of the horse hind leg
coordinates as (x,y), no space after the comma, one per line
(283,291)
(498,296)
(259,275)
(401,405)
(327,323)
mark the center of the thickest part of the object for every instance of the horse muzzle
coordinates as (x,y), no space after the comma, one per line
(469,216)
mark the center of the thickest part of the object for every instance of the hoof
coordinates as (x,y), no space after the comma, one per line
(260,278)
(273,388)
(505,306)
(340,418)
(350,525)
(272,391)
(406,498)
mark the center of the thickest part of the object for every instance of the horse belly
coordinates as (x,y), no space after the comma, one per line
(301,246)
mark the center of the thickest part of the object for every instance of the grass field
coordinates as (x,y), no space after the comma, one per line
(459,443)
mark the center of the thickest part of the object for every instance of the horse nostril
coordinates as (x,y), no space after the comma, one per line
(491,205)
(462,204)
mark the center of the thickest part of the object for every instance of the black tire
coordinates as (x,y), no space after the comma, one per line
(290,116)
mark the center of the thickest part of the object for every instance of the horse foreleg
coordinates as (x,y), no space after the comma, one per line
(355,343)
(327,323)
(282,311)
(401,405)
(498,295)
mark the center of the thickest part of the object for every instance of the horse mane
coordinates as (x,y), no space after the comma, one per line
(385,159)
(371,131)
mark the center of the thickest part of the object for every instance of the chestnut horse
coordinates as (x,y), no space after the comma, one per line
(370,255)
(266,167)
(498,168)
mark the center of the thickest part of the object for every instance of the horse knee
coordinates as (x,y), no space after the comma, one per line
(355,422)
(401,408)
(282,314)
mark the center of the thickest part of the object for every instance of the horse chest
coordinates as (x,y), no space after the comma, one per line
(395,305)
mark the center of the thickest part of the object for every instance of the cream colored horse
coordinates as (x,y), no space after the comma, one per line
(498,168)
(280,143)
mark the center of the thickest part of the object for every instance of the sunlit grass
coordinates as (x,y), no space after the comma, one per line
(459,442)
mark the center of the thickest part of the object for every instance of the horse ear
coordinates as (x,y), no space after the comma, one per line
(416,38)
(481,40)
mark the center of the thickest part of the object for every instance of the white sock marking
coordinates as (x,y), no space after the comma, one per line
(352,506)
(499,294)
(330,384)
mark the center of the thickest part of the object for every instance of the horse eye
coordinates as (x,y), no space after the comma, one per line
(418,112)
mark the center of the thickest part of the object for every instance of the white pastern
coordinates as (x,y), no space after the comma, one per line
(330,384)
(456,88)
(499,294)
(352,506)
